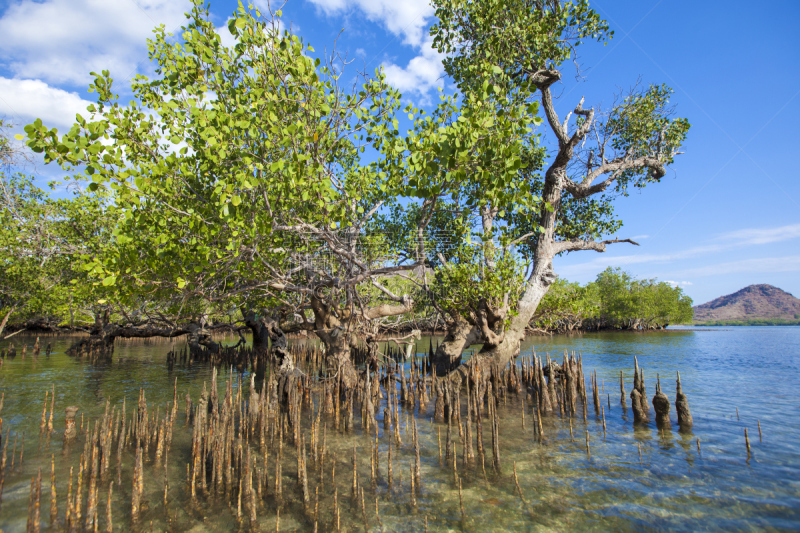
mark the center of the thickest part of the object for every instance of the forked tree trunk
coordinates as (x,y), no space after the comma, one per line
(268,336)
(336,337)
(460,336)
(548,243)
(499,355)
(337,327)
(338,356)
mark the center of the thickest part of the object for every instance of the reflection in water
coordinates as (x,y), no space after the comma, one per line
(702,480)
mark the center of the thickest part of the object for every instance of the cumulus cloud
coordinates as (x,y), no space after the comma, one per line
(27,100)
(404,18)
(422,73)
(409,20)
(62,41)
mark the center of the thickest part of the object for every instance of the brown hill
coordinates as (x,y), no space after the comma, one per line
(753,302)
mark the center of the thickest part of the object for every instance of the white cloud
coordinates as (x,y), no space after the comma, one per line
(757,266)
(61,41)
(640,237)
(762,235)
(228,40)
(27,100)
(422,73)
(729,241)
(405,18)
(600,263)
(408,19)
(679,283)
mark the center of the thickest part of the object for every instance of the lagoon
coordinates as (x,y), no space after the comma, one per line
(671,485)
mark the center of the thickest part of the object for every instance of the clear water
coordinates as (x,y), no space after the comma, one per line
(672,486)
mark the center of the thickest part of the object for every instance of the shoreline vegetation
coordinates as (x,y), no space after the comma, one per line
(615,301)
(246,186)
(750,322)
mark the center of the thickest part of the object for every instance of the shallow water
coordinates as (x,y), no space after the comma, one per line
(672,485)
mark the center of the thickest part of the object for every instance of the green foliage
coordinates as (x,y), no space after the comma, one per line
(42,243)
(641,126)
(464,284)
(235,177)
(6,149)
(467,151)
(227,146)
(565,306)
(625,300)
(614,300)
(517,37)
(447,229)
(223,146)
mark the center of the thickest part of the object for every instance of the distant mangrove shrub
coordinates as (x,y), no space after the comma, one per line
(615,300)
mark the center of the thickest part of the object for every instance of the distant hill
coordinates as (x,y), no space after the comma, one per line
(756,304)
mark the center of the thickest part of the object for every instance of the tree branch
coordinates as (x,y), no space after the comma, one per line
(580,244)
(385,310)
(615,167)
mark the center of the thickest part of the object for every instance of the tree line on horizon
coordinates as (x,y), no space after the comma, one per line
(256,185)
(615,300)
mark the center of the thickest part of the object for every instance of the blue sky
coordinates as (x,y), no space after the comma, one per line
(727,214)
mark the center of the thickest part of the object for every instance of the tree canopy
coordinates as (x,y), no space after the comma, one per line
(615,300)
(599,155)
(249,181)
(43,243)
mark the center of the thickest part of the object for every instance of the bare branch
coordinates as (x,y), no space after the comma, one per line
(518,240)
(552,116)
(387,292)
(580,244)
(384,310)
(615,168)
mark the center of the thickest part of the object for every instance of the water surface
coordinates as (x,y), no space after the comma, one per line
(671,486)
